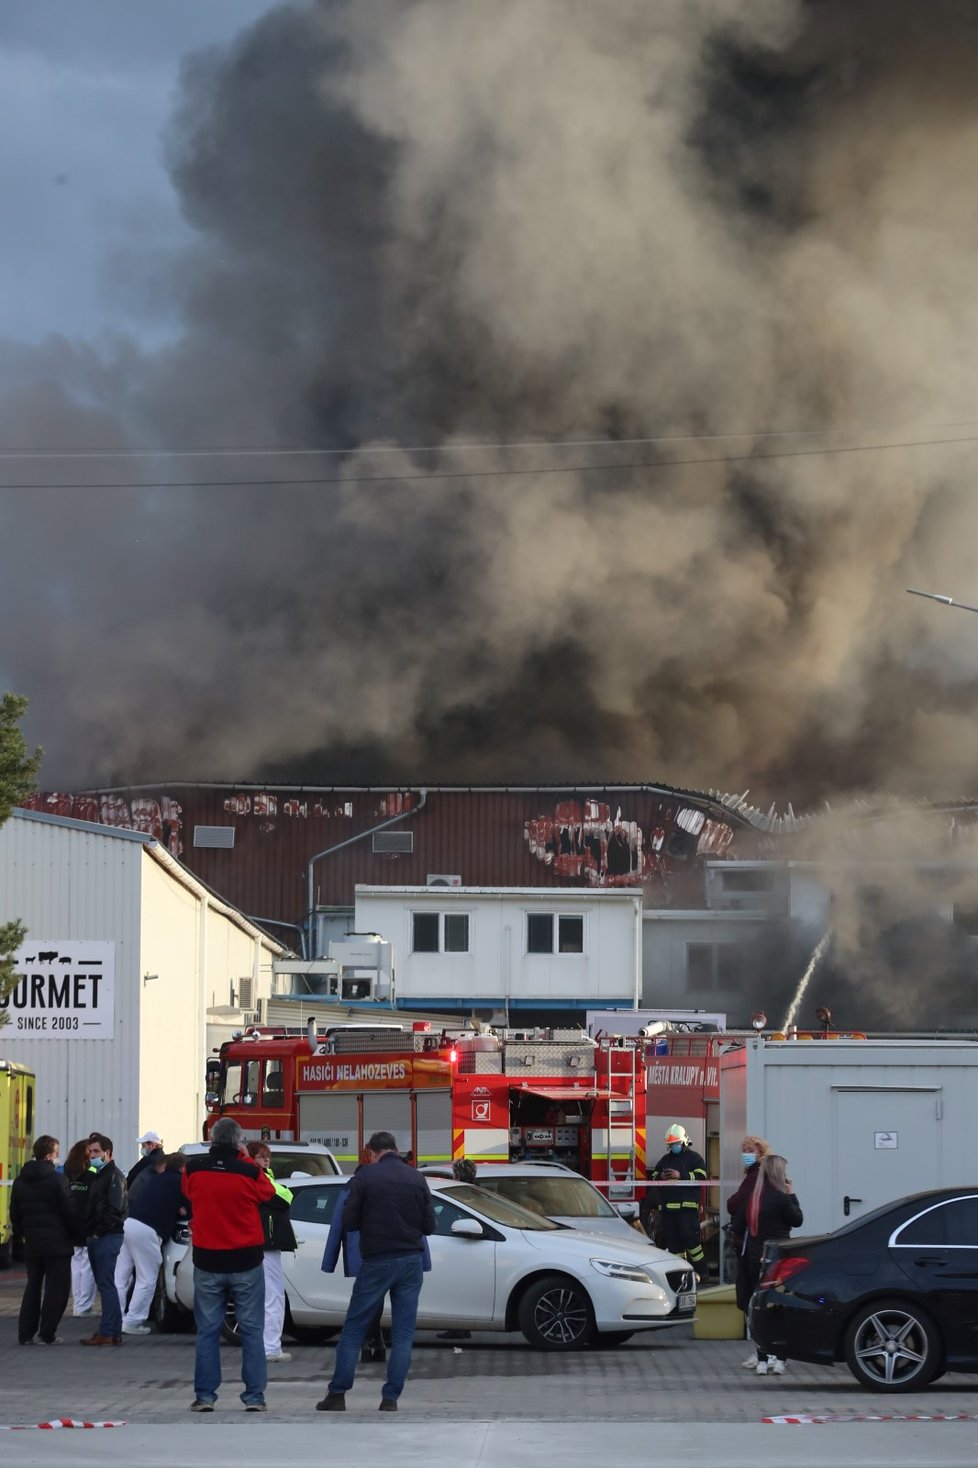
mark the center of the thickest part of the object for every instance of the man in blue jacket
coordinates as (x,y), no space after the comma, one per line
(390,1205)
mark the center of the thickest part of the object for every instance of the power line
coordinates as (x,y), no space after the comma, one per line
(483,446)
(431,476)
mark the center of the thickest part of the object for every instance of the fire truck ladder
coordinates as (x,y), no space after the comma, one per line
(621,1116)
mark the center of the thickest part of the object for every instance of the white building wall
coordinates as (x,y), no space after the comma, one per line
(171,1074)
(74,882)
(497,969)
(665,936)
(174,946)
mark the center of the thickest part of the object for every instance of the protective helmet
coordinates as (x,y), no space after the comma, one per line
(676,1133)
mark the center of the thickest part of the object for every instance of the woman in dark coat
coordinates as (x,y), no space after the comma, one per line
(41,1213)
(769,1211)
(753,1151)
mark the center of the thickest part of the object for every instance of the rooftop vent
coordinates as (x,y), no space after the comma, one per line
(401,842)
(216,836)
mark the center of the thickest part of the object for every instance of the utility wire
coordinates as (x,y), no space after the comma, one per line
(430,476)
(484,446)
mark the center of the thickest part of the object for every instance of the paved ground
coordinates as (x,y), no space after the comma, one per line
(661,1377)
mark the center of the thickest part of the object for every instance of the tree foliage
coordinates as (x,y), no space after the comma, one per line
(18,776)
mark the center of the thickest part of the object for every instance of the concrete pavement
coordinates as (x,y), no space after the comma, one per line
(488,1401)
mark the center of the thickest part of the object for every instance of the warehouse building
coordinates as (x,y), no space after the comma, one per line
(131,970)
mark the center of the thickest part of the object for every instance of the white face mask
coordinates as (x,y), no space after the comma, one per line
(147,1148)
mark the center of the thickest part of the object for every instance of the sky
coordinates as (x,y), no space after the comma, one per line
(86,87)
(641,341)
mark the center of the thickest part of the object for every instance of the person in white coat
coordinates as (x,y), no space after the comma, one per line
(278,1236)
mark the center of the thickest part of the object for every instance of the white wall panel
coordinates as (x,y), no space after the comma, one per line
(68,881)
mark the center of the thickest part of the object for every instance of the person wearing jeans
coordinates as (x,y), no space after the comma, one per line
(225,1190)
(245,1288)
(106,1216)
(400,1276)
(390,1205)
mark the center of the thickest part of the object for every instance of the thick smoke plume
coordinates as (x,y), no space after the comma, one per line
(445,222)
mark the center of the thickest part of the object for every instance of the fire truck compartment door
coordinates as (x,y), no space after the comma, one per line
(388,1111)
(434,1127)
(557,1093)
(334,1120)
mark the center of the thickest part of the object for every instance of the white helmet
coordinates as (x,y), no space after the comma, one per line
(676,1133)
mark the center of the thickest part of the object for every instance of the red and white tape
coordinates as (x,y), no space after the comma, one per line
(58,1422)
(804,1419)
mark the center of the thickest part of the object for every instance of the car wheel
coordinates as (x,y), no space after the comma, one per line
(605,1339)
(168,1318)
(892,1346)
(555,1314)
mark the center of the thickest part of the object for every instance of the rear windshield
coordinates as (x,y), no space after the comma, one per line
(555,1197)
(498,1210)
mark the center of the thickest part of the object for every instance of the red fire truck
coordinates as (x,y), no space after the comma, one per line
(493,1096)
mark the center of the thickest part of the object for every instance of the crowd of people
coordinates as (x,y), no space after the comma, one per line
(88,1228)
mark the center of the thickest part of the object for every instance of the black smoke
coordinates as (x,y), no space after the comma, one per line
(438,224)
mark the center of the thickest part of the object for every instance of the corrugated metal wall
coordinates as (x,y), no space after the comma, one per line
(509,837)
(70,883)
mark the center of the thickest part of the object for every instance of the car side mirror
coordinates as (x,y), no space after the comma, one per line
(468,1228)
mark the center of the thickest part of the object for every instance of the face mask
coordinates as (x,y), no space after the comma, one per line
(748,1158)
(675,1147)
(97,1162)
(146,1149)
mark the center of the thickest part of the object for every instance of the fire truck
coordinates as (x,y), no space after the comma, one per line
(491,1096)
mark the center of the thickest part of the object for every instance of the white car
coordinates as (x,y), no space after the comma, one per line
(302,1159)
(555,1192)
(495,1267)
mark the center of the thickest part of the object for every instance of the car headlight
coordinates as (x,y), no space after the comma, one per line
(616,1270)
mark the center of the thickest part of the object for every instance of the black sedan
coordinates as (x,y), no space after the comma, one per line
(894,1295)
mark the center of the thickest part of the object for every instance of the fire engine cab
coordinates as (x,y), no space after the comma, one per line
(491,1096)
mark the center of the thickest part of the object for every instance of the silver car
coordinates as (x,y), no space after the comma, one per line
(495,1267)
(554,1192)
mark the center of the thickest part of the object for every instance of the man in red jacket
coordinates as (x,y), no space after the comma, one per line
(225,1188)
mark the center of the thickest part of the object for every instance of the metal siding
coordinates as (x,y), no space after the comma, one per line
(478,834)
(79,884)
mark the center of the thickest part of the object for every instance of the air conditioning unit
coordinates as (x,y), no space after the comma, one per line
(442,879)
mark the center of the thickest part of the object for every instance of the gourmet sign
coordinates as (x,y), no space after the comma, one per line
(64,990)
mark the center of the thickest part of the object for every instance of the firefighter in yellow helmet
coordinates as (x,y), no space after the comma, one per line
(677,1224)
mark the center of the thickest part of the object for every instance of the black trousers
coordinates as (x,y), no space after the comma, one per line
(45,1298)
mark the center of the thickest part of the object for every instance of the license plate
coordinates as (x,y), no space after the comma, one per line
(686,1302)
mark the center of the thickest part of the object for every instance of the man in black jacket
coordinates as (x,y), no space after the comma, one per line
(390,1205)
(105,1219)
(41,1213)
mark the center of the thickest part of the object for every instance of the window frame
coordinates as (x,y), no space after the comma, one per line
(441,915)
(557,917)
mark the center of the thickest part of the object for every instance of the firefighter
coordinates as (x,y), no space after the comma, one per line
(677,1226)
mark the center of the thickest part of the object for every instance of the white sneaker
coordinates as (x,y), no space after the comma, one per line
(136,1330)
(751,1362)
(761,1368)
(280,1356)
(778,1367)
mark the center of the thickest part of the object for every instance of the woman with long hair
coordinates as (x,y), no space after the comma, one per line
(79,1176)
(768,1211)
(753,1151)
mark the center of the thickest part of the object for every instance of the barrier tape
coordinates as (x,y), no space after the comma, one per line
(59,1422)
(805,1419)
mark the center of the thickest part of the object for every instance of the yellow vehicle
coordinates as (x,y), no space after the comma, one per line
(16,1139)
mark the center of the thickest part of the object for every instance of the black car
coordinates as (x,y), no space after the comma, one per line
(894,1295)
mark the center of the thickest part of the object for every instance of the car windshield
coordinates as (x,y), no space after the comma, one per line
(284,1164)
(561,1196)
(499,1210)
